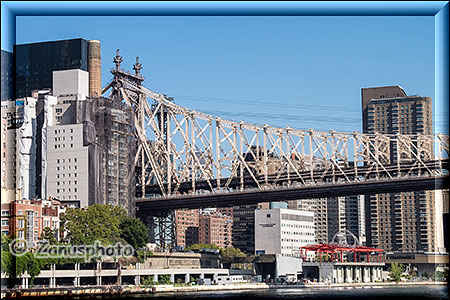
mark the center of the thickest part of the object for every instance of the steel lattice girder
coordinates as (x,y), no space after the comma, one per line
(190,147)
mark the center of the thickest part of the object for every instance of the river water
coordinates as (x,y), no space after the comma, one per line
(392,292)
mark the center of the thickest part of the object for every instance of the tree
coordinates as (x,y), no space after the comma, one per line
(231,252)
(7,259)
(202,246)
(396,272)
(96,223)
(134,232)
(49,235)
(164,279)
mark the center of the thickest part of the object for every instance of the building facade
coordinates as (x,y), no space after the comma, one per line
(26,219)
(12,119)
(215,228)
(244,226)
(400,222)
(186,227)
(7,70)
(203,226)
(283,231)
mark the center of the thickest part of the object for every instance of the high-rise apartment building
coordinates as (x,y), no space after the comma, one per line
(215,228)
(346,214)
(333,215)
(405,222)
(186,227)
(203,226)
(244,226)
(12,117)
(35,63)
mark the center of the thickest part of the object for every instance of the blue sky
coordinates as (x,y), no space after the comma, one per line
(302,72)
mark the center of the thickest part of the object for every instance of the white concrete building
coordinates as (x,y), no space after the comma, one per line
(67,164)
(283,231)
(71,83)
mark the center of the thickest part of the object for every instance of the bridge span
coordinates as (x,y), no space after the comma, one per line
(153,206)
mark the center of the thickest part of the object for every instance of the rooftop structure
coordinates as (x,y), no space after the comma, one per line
(340,253)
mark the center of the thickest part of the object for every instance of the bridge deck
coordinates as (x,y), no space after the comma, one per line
(150,206)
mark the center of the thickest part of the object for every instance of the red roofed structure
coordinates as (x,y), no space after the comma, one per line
(340,253)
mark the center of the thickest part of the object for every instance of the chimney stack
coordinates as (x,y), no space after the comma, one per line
(94,69)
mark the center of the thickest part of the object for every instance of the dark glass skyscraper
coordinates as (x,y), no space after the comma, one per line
(7,75)
(35,62)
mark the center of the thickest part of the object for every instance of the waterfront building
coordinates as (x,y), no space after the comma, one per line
(283,231)
(409,221)
(342,264)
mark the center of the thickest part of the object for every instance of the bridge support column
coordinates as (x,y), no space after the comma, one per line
(373,275)
(202,276)
(172,277)
(348,274)
(155,277)
(187,278)
(357,274)
(366,274)
(137,280)
(53,278)
(24,283)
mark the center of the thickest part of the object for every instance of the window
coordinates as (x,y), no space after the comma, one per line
(21,223)
(20,234)
(268,216)
(5,212)
(5,222)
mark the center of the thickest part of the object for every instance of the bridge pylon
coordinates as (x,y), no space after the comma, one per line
(148,163)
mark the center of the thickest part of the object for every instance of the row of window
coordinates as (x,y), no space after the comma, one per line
(58,146)
(57,131)
(63,160)
(64,175)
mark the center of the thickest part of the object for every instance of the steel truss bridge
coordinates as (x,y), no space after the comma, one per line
(189,159)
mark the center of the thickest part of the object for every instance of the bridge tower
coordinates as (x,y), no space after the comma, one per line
(127,87)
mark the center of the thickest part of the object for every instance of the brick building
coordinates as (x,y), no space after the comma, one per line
(205,226)
(26,219)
